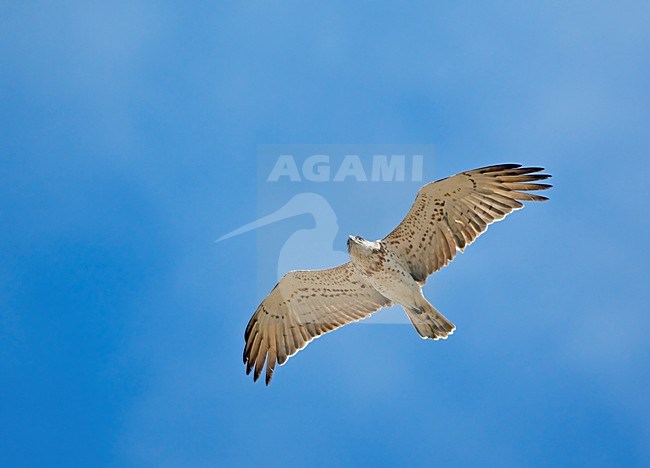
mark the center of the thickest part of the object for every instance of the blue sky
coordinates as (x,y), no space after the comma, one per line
(129,144)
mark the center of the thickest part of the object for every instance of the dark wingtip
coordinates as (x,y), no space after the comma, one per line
(497,167)
(249,326)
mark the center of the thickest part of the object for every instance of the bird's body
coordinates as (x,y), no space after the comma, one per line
(382,266)
(446,216)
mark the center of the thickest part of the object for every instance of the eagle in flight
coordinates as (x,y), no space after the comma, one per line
(447,216)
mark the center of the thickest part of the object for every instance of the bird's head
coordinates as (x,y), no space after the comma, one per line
(360,246)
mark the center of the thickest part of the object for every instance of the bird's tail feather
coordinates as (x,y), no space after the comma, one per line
(430,323)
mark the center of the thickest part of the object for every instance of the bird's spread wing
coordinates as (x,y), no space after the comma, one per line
(451,213)
(303,306)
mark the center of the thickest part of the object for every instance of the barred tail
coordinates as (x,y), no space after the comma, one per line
(430,323)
